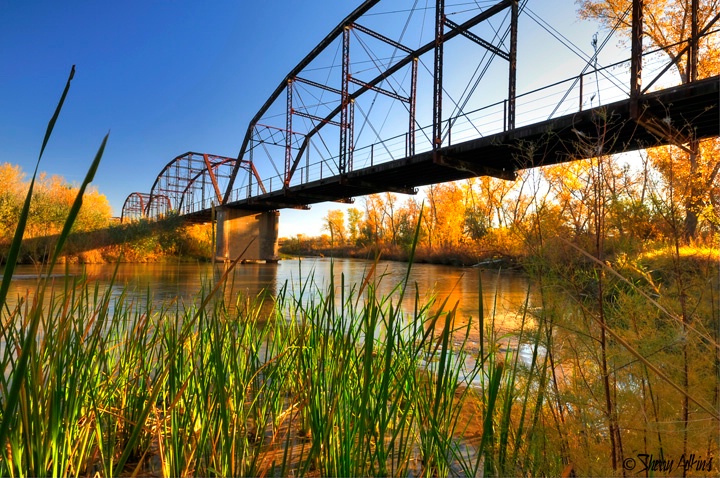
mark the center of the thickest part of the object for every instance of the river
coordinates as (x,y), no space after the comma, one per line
(504,292)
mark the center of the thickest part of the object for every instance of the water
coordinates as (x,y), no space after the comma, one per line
(504,292)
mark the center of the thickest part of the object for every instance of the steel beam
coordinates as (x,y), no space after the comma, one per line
(377,89)
(438,74)
(473,37)
(512,74)
(288,131)
(382,38)
(213,178)
(300,79)
(317,119)
(476,169)
(694,42)
(636,57)
(344,103)
(412,109)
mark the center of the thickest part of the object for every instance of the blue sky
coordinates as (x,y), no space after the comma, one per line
(166,77)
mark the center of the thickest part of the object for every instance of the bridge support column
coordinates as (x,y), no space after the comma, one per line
(250,234)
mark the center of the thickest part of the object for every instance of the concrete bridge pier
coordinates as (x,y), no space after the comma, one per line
(252,234)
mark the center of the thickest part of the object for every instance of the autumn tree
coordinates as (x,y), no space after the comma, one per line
(445,218)
(668,24)
(334,223)
(49,207)
(11,198)
(373,230)
(354,218)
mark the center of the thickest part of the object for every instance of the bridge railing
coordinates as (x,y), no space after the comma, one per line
(595,87)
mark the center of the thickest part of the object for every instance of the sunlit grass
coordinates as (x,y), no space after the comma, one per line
(332,385)
(699,252)
(96,384)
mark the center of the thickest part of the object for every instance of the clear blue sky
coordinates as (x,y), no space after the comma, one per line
(166,77)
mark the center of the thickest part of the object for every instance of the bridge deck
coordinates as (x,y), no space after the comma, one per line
(558,140)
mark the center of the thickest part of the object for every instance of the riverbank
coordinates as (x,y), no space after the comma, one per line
(213,399)
(222,387)
(458,257)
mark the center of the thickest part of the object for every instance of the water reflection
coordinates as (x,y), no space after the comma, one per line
(503,293)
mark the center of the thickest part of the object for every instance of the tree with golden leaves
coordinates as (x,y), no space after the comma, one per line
(667,24)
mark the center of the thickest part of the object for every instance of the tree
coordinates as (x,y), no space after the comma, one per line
(11,197)
(334,223)
(668,24)
(445,220)
(372,230)
(354,218)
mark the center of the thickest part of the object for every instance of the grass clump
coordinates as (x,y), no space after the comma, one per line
(327,384)
(344,384)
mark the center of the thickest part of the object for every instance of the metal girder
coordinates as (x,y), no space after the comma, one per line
(278,203)
(382,38)
(692,70)
(345,149)
(475,169)
(377,89)
(438,75)
(316,118)
(309,197)
(473,37)
(369,186)
(413,107)
(401,63)
(300,79)
(512,73)
(636,57)
(288,131)
(213,177)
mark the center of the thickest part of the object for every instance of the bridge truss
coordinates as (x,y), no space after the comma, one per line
(360,98)
(189,182)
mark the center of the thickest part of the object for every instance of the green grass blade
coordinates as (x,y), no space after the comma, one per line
(14,251)
(75,209)
(19,374)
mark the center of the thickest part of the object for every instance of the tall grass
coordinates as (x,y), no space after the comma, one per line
(346,385)
(337,380)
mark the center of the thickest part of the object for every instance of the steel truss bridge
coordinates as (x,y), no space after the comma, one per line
(393,99)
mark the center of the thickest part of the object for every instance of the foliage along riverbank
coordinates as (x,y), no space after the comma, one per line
(95,237)
(462,257)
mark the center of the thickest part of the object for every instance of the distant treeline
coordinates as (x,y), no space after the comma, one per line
(621,205)
(96,236)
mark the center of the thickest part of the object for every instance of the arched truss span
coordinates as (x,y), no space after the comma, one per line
(375,65)
(137,206)
(134,207)
(195,181)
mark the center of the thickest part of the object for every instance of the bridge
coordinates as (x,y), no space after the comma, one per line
(394,99)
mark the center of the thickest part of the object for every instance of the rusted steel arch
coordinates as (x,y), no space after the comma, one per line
(350,89)
(327,41)
(158,207)
(215,172)
(192,174)
(138,206)
(134,206)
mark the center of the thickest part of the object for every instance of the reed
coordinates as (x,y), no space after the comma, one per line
(329,383)
(336,380)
